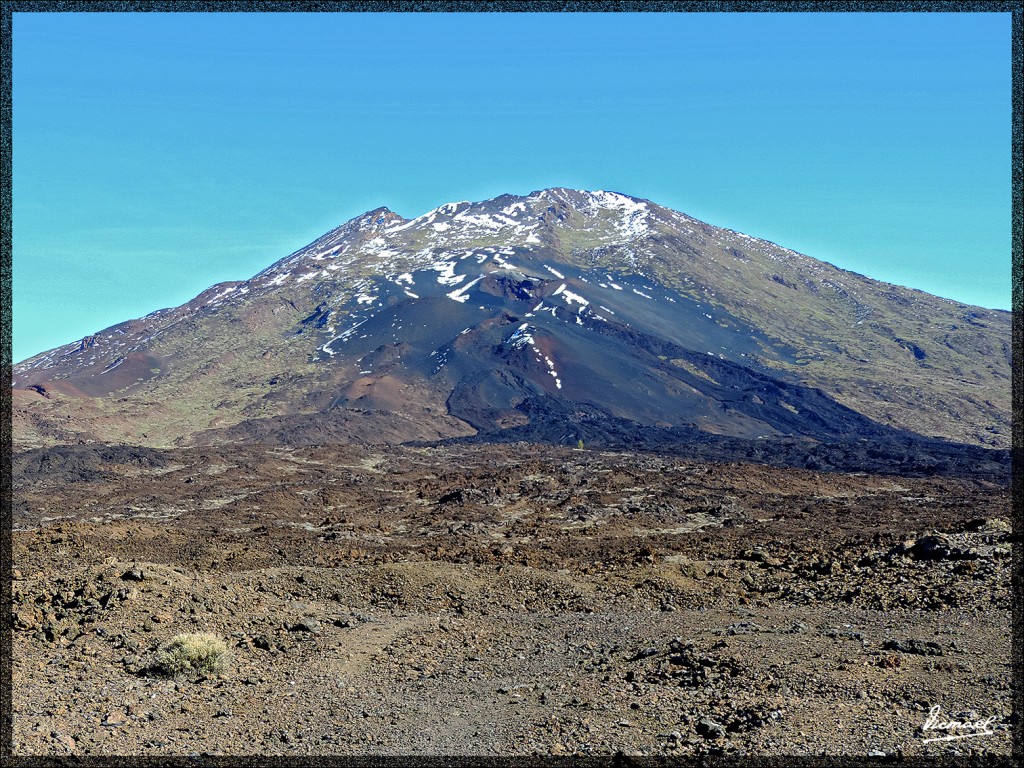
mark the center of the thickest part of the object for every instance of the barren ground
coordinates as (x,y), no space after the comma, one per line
(504,600)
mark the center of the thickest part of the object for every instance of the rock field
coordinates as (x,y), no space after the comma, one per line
(504,600)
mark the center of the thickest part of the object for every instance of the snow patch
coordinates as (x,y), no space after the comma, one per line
(521,337)
(555,272)
(459,295)
(447,274)
(551,369)
(571,298)
(113,365)
(222,294)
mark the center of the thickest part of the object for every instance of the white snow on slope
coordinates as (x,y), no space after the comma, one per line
(447,274)
(571,298)
(460,294)
(555,272)
(521,337)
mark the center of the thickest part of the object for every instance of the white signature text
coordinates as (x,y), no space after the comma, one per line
(955,729)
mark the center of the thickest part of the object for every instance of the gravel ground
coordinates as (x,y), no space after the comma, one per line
(506,600)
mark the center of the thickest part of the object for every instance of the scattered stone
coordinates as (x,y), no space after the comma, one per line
(710,729)
(920,647)
(722,692)
(134,574)
(644,654)
(993,525)
(742,627)
(25,619)
(306,624)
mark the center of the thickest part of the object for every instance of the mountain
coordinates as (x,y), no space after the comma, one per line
(556,316)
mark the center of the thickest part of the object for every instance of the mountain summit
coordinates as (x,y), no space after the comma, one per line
(557,315)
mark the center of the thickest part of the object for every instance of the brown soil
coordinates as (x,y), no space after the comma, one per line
(504,600)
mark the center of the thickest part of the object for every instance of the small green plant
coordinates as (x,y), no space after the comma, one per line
(196,652)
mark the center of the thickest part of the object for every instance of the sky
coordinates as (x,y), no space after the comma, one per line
(155,154)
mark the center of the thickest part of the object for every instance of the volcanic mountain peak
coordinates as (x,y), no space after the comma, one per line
(483,316)
(593,202)
(377,219)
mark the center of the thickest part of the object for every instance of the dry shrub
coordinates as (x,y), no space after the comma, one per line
(196,652)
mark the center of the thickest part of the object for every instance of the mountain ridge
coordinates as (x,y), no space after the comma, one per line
(416,319)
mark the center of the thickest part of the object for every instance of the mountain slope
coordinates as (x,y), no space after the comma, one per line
(481,317)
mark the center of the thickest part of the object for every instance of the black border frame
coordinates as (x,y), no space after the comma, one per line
(8,7)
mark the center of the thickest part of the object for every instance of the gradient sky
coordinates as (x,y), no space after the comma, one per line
(156,154)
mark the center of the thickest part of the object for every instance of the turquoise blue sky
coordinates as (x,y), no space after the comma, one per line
(156,154)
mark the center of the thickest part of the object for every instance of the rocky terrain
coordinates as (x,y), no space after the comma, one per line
(510,599)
